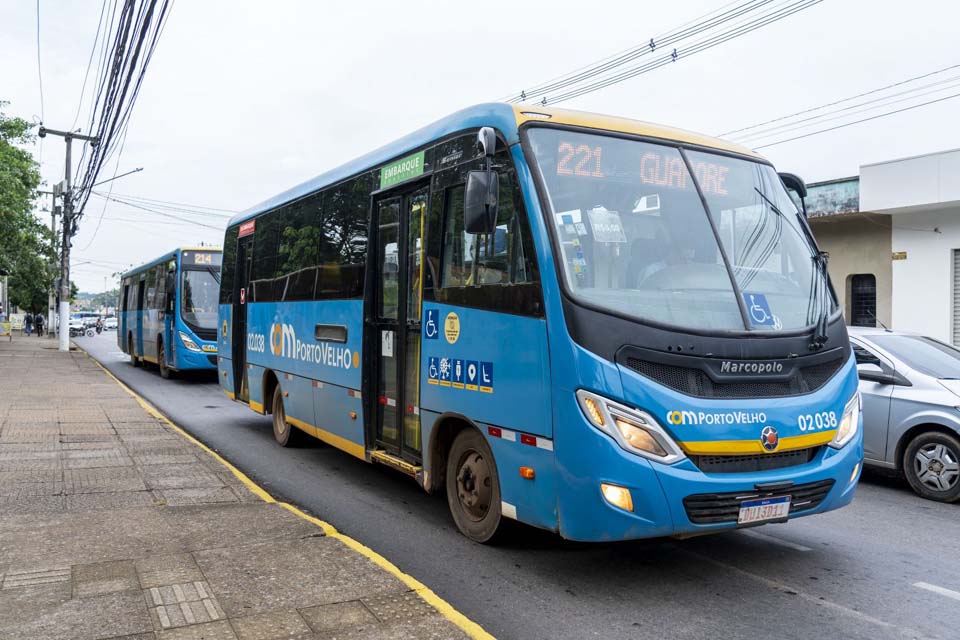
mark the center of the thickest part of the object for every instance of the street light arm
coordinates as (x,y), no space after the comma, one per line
(96,184)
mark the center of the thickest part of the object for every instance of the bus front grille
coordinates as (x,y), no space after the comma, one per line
(715,508)
(205,334)
(695,382)
(753,462)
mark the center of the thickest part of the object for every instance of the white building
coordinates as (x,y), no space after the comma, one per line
(896,256)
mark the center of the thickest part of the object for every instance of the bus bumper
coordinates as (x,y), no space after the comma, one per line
(658,491)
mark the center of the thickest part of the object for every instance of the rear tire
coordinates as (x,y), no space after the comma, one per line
(134,360)
(285,433)
(473,488)
(931,464)
(165,371)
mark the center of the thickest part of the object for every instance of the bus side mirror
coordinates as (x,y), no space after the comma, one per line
(796,184)
(483,189)
(480,201)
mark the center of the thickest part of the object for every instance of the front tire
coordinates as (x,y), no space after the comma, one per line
(285,433)
(473,487)
(931,464)
(134,360)
(165,371)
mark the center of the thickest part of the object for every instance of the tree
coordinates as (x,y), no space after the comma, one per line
(26,247)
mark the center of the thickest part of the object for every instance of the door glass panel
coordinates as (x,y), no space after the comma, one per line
(387,392)
(417,215)
(389,257)
(411,393)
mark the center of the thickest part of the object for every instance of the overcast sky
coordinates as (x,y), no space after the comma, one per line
(244,99)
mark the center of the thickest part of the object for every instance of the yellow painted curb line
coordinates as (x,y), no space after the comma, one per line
(468,626)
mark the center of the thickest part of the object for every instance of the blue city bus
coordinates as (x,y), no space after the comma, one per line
(168,311)
(592,325)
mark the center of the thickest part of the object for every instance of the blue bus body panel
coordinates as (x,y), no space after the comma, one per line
(497,371)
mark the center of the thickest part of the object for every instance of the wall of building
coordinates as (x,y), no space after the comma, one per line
(923,282)
(911,182)
(858,243)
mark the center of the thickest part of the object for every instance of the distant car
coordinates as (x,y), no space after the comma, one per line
(77,325)
(910,386)
(110,323)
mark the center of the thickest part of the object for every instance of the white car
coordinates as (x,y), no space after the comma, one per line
(110,323)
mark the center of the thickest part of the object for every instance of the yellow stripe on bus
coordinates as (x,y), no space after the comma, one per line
(721,447)
(354,449)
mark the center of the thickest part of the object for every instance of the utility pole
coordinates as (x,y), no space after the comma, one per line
(68,224)
(52,296)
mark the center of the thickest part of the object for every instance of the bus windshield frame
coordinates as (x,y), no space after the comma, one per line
(732,290)
(188,317)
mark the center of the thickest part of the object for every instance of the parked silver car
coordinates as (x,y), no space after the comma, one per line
(910,386)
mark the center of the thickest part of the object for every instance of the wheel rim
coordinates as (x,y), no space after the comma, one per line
(937,466)
(279,417)
(474,485)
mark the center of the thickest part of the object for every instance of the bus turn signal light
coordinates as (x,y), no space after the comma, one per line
(593,411)
(528,473)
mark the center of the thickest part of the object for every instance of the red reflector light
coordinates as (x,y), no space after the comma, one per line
(531,440)
(495,432)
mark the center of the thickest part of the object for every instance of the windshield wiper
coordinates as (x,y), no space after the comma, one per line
(215,274)
(821,292)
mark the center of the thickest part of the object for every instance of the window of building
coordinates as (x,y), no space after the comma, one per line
(863,300)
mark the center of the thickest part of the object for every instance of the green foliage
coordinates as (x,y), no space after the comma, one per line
(26,249)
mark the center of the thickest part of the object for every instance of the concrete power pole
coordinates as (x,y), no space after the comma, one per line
(52,297)
(68,224)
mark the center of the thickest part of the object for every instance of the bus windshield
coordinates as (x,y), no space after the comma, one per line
(199,298)
(635,236)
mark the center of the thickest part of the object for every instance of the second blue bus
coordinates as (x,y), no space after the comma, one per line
(168,311)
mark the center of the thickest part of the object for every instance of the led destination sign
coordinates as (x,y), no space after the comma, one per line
(661,170)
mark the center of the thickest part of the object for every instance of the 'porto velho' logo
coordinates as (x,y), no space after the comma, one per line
(285,344)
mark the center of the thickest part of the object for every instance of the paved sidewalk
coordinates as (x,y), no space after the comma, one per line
(113,525)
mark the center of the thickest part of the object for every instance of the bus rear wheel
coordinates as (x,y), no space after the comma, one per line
(134,360)
(285,433)
(473,487)
(165,371)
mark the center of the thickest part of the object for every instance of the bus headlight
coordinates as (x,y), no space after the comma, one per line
(188,342)
(849,423)
(634,430)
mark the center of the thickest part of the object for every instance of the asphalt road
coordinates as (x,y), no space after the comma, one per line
(887,566)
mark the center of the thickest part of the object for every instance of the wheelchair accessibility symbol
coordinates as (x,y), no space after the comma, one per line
(431,325)
(759,311)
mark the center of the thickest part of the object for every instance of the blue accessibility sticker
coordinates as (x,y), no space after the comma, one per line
(758,310)
(486,377)
(431,324)
(433,369)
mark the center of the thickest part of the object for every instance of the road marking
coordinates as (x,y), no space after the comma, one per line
(468,626)
(816,600)
(775,540)
(950,593)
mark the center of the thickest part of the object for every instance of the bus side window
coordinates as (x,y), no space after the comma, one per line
(229,265)
(484,259)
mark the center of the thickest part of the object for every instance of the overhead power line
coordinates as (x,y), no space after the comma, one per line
(186,205)
(39,66)
(163,213)
(735,21)
(841,101)
(847,124)
(848,111)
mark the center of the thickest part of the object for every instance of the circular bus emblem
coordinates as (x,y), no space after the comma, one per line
(769,438)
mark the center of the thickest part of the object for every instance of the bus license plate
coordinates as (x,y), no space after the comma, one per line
(763,510)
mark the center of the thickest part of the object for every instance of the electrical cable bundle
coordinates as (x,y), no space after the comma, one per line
(715,28)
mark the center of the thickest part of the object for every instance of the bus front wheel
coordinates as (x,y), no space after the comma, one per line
(134,360)
(162,361)
(473,487)
(285,434)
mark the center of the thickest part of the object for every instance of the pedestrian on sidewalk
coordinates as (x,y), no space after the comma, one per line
(28,322)
(38,322)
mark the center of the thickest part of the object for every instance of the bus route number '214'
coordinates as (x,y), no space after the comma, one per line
(817,421)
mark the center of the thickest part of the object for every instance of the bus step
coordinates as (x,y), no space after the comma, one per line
(392,461)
